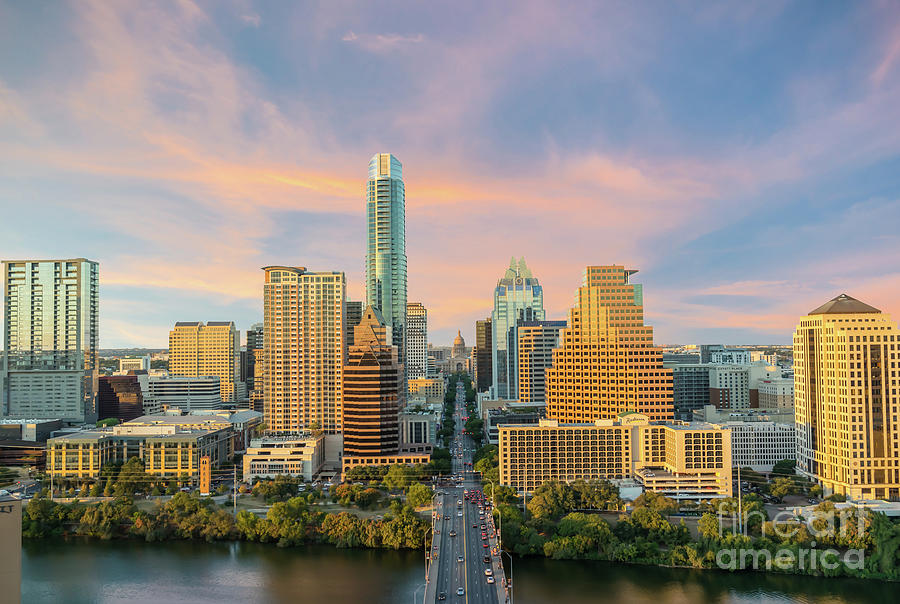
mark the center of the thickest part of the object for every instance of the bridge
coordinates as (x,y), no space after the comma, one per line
(464,564)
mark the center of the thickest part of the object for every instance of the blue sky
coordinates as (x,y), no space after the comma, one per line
(744,157)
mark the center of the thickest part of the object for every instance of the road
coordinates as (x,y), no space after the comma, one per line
(458,532)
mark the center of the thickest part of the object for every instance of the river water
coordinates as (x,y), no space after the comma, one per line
(169,573)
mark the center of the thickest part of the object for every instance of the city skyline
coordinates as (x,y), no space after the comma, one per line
(184,158)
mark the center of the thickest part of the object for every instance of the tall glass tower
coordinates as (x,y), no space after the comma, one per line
(386,247)
(518,297)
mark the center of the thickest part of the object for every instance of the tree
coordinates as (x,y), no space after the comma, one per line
(551,500)
(399,476)
(785,467)
(708,526)
(656,502)
(782,487)
(418,495)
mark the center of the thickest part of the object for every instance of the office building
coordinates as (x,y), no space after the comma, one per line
(248,357)
(776,392)
(481,355)
(50,334)
(679,460)
(122,396)
(244,424)
(711,414)
(353,312)
(759,445)
(127,364)
(303,349)
(182,393)
(372,380)
(417,340)
(431,389)
(690,388)
(418,430)
(606,363)
(846,396)
(518,296)
(166,450)
(301,455)
(386,246)
(537,340)
(197,350)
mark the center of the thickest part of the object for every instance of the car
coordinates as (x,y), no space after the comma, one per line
(460,559)
(460,592)
(442,595)
(459,514)
(483,537)
(490,580)
(474,526)
(487,559)
(485,544)
(453,533)
(488,572)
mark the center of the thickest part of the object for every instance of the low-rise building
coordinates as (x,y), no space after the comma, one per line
(351,461)
(760,445)
(164,449)
(418,430)
(679,459)
(33,430)
(432,388)
(301,454)
(127,364)
(185,393)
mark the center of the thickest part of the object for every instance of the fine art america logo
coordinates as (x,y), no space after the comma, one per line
(828,526)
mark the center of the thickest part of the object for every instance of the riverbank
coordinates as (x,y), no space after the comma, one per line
(78,570)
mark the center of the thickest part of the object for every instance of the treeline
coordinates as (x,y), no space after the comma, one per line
(287,523)
(554,527)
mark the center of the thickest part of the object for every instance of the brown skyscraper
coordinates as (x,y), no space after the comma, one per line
(481,356)
(371,390)
(606,363)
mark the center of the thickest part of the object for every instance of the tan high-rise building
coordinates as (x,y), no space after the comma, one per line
(537,340)
(606,363)
(372,383)
(303,349)
(214,349)
(846,398)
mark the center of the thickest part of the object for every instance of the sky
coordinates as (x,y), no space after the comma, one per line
(744,157)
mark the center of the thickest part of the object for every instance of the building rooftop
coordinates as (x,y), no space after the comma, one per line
(844,305)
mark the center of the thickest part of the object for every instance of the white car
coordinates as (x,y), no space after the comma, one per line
(460,559)
(488,572)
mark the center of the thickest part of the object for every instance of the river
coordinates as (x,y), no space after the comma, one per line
(170,573)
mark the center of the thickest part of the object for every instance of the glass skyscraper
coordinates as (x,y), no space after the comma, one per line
(386,247)
(517,297)
(50,335)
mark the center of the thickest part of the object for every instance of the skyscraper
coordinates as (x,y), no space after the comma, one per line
(303,348)
(50,335)
(606,363)
(416,340)
(371,390)
(517,297)
(481,355)
(846,395)
(386,246)
(248,359)
(537,340)
(198,350)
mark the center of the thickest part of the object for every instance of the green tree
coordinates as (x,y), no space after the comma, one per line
(551,500)
(785,467)
(419,495)
(708,526)
(399,476)
(782,487)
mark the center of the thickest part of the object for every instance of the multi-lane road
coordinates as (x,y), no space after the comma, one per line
(465,563)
